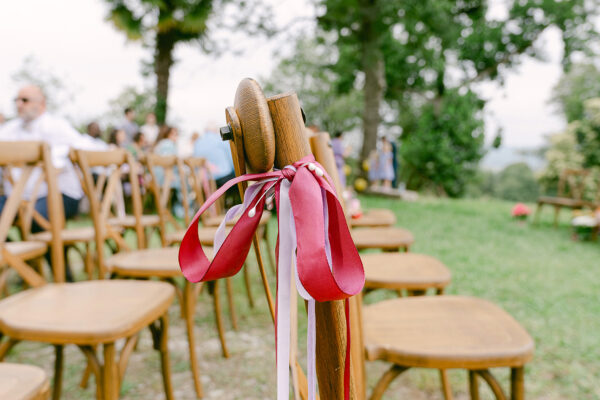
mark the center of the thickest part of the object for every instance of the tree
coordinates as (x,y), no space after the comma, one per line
(163,24)
(307,71)
(142,101)
(411,53)
(445,145)
(580,83)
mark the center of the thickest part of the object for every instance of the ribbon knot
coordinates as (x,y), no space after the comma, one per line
(313,237)
(289,173)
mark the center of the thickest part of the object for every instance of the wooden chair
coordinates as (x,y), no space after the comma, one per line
(374,218)
(23,382)
(87,314)
(416,273)
(138,222)
(70,237)
(161,263)
(571,188)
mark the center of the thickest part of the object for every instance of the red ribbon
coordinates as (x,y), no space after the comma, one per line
(321,233)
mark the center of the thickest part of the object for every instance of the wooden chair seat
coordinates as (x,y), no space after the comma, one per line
(404,271)
(128,221)
(174,237)
(217,219)
(68,236)
(382,238)
(445,332)
(23,382)
(562,201)
(83,313)
(162,262)
(374,218)
(25,250)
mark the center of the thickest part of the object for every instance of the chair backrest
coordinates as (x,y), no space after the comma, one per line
(172,173)
(105,194)
(203,185)
(320,144)
(572,183)
(28,165)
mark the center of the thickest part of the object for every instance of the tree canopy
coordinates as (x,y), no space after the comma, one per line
(412,54)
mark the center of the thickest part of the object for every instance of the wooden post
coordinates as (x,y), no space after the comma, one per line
(291,146)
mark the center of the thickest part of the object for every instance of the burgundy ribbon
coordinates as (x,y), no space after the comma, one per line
(327,263)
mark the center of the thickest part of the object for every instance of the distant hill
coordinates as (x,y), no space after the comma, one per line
(498,159)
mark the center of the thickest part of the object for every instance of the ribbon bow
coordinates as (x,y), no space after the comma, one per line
(313,236)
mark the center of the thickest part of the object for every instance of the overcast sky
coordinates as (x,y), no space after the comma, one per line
(72,39)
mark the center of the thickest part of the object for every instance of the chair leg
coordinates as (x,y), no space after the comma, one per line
(58,370)
(248,287)
(385,381)
(190,302)
(538,210)
(270,252)
(219,317)
(492,383)
(556,212)
(110,376)
(446,389)
(473,385)
(517,383)
(164,356)
(231,302)
(89,261)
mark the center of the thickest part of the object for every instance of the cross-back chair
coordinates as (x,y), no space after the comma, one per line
(440,332)
(70,237)
(88,314)
(571,190)
(23,382)
(142,224)
(161,263)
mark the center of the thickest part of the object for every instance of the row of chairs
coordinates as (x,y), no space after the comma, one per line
(453,332)
(439,332)
(99,312)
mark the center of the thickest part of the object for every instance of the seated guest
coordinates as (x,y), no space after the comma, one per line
(117,138)
(34,123)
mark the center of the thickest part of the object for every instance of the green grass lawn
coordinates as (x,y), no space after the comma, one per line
(548,282)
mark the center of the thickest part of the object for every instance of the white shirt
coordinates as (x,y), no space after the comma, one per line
(150,133)
(61,136)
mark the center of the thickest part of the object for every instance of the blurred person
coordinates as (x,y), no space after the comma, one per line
(117,138)
(34,123)
(385,164)
(2,119)
(150,129)
(166,142)
(138,146)
(339,154)
(218,154)
(129,125)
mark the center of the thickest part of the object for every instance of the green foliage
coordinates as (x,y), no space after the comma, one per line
(580,83)
(142,102)
(516,182)
(430,49)
(307,72)
(446,145)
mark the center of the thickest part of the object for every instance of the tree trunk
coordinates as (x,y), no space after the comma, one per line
(374,69)
(163,60)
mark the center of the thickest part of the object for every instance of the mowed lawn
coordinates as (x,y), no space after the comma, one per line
(548,282)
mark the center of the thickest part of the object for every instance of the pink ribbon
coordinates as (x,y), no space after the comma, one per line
(313,236)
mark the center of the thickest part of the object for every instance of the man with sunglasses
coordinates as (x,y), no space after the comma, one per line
(34,123)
